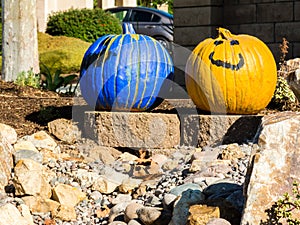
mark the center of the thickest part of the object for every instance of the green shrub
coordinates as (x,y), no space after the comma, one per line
(283,92)
(28,78)
(85,24)
(54,81)
(60,53)
(285,209)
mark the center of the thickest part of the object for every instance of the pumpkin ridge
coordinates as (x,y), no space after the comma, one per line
(128,73)
(120,44)
(138,74)
(101,56)
(156,74)
(255,75)
(104,75)
(244,97)
(200,79)
(235,104)
(146,77)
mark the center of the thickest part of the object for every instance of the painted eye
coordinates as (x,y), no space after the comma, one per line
(216,43)
(234,42)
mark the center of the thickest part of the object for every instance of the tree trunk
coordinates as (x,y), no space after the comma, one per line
(19,38)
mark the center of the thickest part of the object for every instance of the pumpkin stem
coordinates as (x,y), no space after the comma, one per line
(224,33)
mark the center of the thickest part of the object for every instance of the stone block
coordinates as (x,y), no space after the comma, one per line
(197,16)
(291,31)
(278,12)
(297,10)
(202,130)
(239,14)
(231,2)
(133,129)
(296,49)
(192,3)
(263,31)
(191,36)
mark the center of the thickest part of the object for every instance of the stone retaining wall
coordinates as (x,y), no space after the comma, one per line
(163,131)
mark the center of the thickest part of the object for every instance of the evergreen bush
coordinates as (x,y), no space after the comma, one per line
(85,24)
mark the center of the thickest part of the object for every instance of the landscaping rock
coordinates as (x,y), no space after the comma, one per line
(66,213)
(201,214)
(9,133)
(37,204)
(28,154)
(131,211)
(67,195)
(6,161)
(181,206)
(105,185)
(149,215)
(218,221)
(274,167)
(121,129)
(9,214)
(30,179)
(42,140)
(129,184)
(65,130)
(24,145)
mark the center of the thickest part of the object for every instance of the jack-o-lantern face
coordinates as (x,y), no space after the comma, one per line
(224,64)
(231,74)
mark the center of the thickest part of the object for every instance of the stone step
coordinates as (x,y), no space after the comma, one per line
(135,130)
(163,128)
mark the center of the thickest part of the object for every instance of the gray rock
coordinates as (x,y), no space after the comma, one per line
(117,223)
(28,154)
(96,196)
(221,190)
(121,198)
(237,199)
(168,200)
(218,221)
(117,210)
(184,187)
(133,222)
(149,215)
(181,206)
(131,211)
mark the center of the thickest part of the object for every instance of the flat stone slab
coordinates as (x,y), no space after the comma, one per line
(133,129)
(168,130)
(212,130)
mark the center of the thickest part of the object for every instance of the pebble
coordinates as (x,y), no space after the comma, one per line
(142,199)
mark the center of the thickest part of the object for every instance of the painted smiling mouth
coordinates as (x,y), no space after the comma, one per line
(227,65)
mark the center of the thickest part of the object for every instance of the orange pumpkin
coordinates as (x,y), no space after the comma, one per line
(234,74)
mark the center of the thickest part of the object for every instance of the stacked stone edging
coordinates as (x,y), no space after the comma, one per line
(162,131)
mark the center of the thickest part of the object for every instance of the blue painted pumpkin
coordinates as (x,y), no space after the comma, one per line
(124,72)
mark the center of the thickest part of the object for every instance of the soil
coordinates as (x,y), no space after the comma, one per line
(28,109)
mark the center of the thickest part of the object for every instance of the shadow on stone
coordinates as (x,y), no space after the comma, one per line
(229,198)
(243,130)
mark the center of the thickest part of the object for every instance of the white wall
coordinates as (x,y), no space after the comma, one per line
(46,7)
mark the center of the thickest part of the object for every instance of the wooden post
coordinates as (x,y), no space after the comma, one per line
(19,38)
